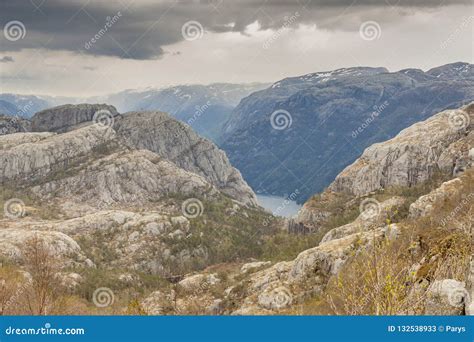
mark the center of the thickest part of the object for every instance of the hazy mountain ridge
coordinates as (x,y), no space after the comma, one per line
(204,107)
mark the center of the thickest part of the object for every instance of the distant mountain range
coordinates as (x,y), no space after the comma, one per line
(302,131)
(204,107)
(297,133)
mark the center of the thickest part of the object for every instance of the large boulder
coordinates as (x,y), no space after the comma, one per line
(446,297)
(66,117)
(375,215)
(425,205)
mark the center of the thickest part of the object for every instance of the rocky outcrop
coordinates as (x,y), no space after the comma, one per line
(290,282)
(12,140)
(253,266)
(128,178)
(425,205)
(13,124)
(137,241)
(446,297)
(13,243)
(199,282)
(157,132)
(470,289)
(33,157)
(374,216)
(64,118)
(441,143)
(177,142)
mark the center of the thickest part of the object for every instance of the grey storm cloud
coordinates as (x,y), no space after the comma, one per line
(140,29)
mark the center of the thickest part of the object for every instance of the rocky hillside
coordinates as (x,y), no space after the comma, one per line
(443,143)
(154,131)
(95,197)
(388,261)
(12,124)
(117,224)
(301,132)
(437,148)
(178,143)
(407,251)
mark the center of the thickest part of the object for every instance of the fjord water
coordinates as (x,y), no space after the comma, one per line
(280,206)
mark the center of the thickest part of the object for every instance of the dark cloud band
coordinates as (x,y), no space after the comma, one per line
(140,29)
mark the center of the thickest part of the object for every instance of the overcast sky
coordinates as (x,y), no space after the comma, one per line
(85,48)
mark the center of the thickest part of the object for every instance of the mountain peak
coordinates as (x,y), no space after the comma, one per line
(453,70)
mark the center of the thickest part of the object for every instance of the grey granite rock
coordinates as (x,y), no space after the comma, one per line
(177,142)
(65,117)
(414,155)
(13,124)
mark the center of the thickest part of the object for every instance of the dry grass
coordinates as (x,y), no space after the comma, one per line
(391,276)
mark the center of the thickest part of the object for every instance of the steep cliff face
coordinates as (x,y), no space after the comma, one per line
(439,144)
(65,117)
(154,131)
(178,143)
(279,137)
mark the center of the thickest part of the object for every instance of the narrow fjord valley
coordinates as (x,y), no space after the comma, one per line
(110,212)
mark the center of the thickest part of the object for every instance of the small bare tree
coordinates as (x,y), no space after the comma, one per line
(42,266)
